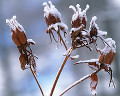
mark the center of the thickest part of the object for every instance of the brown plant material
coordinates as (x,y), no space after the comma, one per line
(22,61)
(20,39)
(93,84)
(54,23)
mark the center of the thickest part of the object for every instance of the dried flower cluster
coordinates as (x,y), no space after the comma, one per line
(22,43)
(81,37)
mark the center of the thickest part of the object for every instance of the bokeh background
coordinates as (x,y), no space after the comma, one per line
(29,13)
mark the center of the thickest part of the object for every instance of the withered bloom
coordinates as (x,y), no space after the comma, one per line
(53,21)
(78,31)
(20,39)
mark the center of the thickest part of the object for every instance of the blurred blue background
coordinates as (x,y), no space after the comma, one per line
(29,13)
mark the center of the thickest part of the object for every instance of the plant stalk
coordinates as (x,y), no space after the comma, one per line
(37,81)
(59,72)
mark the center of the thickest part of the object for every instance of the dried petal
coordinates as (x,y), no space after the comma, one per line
(22,61)
(107,58)
(93,84)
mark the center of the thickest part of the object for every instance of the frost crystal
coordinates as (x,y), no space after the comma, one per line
(94,92)
(78,12)
(94,25)
(14,24)
(50,10)
(109,46)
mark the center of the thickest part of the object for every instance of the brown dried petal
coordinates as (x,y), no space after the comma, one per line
(94,82)
(51,19)
(22,61)
(93,31)
(78,22)
(19,37)
(108,58)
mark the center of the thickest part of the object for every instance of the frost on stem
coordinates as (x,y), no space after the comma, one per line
(53,21)
(22,43)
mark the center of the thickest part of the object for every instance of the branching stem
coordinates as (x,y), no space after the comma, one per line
(59,72)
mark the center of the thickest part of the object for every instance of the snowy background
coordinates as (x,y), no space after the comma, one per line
(29,13)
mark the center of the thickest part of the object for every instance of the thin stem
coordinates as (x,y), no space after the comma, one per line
(37,81)
(59,72)
(77,82)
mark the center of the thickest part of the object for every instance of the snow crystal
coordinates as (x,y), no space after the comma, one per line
(94,92)
(50,10)
(93,24)
(101,33)
(87,61)
(74,57)
(78,12)
(56,26)
(31,41)
(14,24)
(112,46)
(68,52)
(75,29)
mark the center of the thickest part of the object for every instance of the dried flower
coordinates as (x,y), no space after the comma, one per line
(20,39)
(53,21)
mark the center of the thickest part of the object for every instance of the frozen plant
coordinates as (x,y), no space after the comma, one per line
(27,58)
(80,37)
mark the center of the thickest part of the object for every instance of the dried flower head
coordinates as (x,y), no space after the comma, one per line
(78,31)
(17,32)
(20,39)
(53,21)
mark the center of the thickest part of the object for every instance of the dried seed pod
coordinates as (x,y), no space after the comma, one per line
(94,82)
(22,61)
(17,32)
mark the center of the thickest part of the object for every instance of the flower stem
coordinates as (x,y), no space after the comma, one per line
(37,81)
(79,81)
(59,72)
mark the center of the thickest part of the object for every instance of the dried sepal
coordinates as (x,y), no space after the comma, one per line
(33,63)
(94,65)
(22,61)
(17,32)
(93,84)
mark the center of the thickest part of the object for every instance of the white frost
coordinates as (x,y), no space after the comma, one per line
(56,26)
(93,24)
(31,41)
(112,46)
(68,52)
(50,10)
(87,61)
(14,24)
(74,57)
(94,92)
(78,12)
